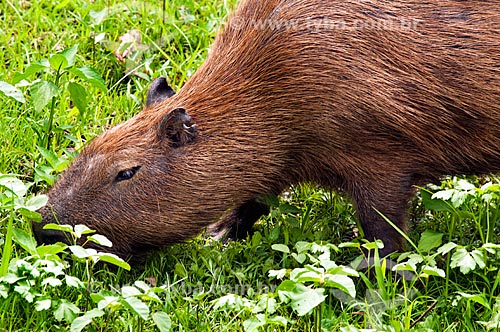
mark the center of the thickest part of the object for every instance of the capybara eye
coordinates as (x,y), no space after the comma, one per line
(126,174)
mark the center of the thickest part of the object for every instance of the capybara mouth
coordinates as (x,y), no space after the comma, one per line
(48,236)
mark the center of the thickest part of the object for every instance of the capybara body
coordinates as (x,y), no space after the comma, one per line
(371,97)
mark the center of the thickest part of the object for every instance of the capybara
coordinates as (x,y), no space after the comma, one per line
(369,97)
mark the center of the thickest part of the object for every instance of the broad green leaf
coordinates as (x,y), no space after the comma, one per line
(128,291)
(100,239)
(415,259)
(342,282)
(287,286)
(431,203)
(97,297)
(43,304)
(303,275)
(30,215)
(478,298)
(79,323)
(279,320)
(80,252)
(256,239)
(25,240)
(279,274)
(137,306)
(490,187)
(233,302)
(66,311)
(58,61)
(23,289)
(73,282)
(162,321)
(342,270)
(70,54)
(48,155)
(36,202)
(100,37)
(78,96)
(142,286)
(54,282)
(265,304)
(463,259)
(405,266)
(491,247)
(281,248)
(429,240)
(253,324)
(465,214)
(180,270)
(445,195)
(55,267)
(302,298)
(326,262)
(302,246)
(288,209)
(97,17)
(31,70)
(349,245)
(4,291)
(459,198)
(446,248)
(13,185)
(105,301)
(57,227)
(42,93)
(10,278)
(115,260)
(463,184)
(373,245)
(43,173)
(479,258)
(300,258)
(82,230)
(433,271)
(90,75)
(12,92)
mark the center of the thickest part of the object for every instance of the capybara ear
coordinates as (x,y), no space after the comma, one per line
(159,91)
(177,127)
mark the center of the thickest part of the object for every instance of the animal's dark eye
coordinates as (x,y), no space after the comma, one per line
(126,174)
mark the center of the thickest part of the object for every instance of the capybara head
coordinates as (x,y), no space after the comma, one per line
(369,97)
(120,184)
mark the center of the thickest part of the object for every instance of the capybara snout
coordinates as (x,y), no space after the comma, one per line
(350,96)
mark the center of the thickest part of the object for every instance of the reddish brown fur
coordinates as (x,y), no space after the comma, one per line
(370,111)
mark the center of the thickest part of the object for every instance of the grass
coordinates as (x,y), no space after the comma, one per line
(205,285)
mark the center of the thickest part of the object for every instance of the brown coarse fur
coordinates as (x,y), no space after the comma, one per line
(372,97)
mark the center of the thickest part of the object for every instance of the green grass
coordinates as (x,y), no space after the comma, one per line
(455,290)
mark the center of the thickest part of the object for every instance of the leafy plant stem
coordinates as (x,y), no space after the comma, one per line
(495,284)
(7,247)
(318,313)
(447,283)
(52,110)
(487,240)
(448,256)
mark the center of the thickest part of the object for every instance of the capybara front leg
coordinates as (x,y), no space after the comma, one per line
(238,222)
